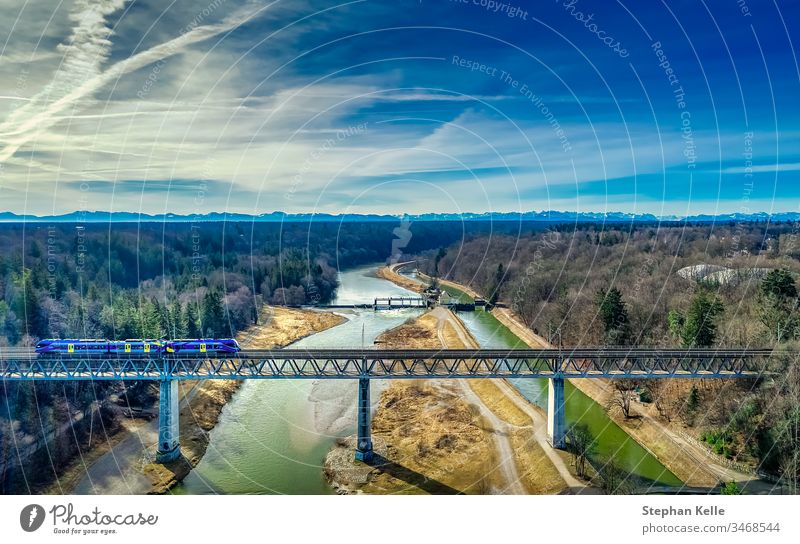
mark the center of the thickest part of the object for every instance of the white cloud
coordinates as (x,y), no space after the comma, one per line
(81,75)
(761,168)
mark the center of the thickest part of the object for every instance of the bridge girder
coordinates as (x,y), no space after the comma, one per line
(395,364)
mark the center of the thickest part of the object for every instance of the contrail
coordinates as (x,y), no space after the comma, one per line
(96,37)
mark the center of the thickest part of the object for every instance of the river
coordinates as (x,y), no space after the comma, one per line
(274,434)
(272,437)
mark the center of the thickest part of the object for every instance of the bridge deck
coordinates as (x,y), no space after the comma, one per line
(393,364)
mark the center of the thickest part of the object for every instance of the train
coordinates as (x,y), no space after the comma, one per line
(183,345)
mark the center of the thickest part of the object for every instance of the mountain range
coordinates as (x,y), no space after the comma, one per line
(278,217)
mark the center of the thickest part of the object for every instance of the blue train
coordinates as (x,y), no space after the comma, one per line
(199,345)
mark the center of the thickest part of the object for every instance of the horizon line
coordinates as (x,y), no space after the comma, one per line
(276,216)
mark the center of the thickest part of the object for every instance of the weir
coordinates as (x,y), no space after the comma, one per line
(169,447)
(390,303)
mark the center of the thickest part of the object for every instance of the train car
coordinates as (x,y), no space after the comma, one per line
(72,346)
(85,346)
(203,345)
(135,346)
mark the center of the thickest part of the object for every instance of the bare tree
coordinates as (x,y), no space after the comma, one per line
(581,444)
(787,424)
(613,479)
(624,390)
(790,471)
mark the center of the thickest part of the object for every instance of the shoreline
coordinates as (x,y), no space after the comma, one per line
(695,468)
(426,437)
(390,273)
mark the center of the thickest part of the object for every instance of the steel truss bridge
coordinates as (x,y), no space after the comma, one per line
(368,364)
(391,364)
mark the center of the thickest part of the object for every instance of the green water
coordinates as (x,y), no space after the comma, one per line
(611,441)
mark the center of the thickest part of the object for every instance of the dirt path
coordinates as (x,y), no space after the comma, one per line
(540,432)
(688,460)
(538,420)
(500,428)
(390,273)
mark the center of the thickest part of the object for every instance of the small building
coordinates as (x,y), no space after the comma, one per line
(432,296)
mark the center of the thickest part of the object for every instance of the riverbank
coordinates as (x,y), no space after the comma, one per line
(502,388)
(127,468)
(99,445)
(446,436)
(390,273)
(469,291)
(690,462)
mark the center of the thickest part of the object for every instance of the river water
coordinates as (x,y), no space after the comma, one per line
(274,434)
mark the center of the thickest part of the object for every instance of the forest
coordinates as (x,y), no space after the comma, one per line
(148,280)
(152,280)
(692,285)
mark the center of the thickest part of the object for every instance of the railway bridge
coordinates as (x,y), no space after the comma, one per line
(364,365)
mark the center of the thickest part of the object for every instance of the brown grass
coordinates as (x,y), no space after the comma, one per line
(504,407)
(441,442)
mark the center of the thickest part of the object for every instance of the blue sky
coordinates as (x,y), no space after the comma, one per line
(408,106)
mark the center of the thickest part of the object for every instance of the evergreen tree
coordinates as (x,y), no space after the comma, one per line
(613,316)
(213,314)
(778,305)
(28,308)
(439,256)
(779,283)
(497,283)
(676,320)
(152,320)
(192,321)
(178,321)
(699,327)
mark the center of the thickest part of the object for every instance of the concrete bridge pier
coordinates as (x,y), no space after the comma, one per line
(364,442)
(556,413)
(169,447)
